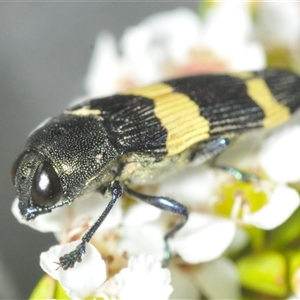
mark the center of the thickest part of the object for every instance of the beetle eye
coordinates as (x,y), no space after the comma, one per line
(46,189)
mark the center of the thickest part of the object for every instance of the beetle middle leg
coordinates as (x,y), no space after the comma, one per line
(168,205)
(213,150)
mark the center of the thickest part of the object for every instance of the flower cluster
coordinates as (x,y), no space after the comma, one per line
(235,235)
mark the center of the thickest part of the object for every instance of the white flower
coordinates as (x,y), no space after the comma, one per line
(203,238)
(160,38)
(217,279)
(173,44)
(144,278)
(279,22)
(222,274)
(282,203)
(193,186)
(74,219)
(104,66)
(80,281)
(228,33)
(206,236)
(142,231)
(51,222)
(279,156)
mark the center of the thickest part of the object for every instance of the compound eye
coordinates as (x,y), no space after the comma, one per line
(46,189)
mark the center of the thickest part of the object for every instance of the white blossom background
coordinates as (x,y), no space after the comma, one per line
(45,48)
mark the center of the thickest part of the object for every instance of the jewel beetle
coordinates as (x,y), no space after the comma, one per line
(137,137)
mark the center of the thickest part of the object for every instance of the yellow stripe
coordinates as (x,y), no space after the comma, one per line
(178,114)
(151,91)
(83,111)
(258,91)
(275,113)
(242,75)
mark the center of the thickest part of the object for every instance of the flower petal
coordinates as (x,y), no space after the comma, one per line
(282,204)
(84,278)
(218,280)
(141,213)
(280,157)
(192,187)
(87,207)
(147,239)
(50,222)
(105,67)
(203,238)
(144,278)
(91,206)
(279,22)
(183,284)
(159,39)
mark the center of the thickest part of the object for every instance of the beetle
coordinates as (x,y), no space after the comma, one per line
(137,137)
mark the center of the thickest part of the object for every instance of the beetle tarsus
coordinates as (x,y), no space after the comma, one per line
(68,260)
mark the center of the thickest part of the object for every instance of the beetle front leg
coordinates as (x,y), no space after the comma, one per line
(68,260)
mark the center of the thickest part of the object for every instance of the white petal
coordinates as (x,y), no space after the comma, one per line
(203,238)
(53,221)
(91,206)
(192,187)
(104,69)
(87,207)
(84,278)
(142,239)
(141,213)
(219,280)
(282,204)
(279,21)
(250,56)
(179,30)
(144,278)
(158,39)
(242,153)
(183,284)
(228,27)
(143,60)
(241,238)
(280,157)
(228,33)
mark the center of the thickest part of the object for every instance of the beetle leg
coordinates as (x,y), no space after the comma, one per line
(168,205)
(68,260)
(216,149)
(237,174)
(209,150)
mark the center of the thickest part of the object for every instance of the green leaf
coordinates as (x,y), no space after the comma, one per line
(264,273)
(286,234)
(45,288)
(48,288)
(257,237)
(60,292)
(205,7)
(280,57)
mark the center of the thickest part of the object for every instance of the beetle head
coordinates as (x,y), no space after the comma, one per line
(37,184)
